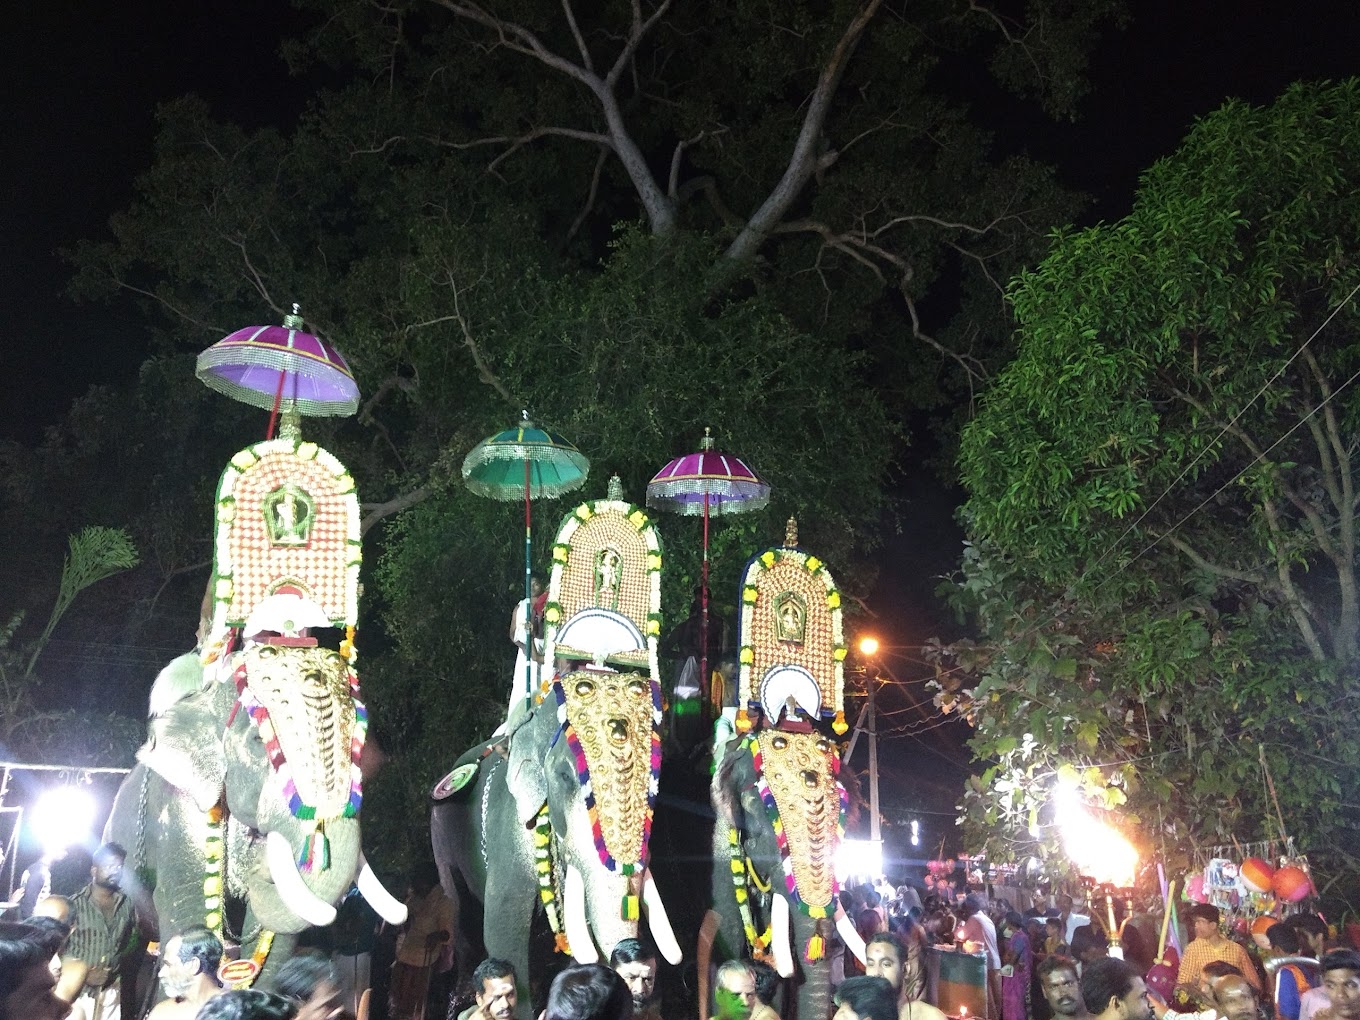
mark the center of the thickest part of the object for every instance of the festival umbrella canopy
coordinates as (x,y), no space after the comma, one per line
(525,462)
(273,366)
(707,482)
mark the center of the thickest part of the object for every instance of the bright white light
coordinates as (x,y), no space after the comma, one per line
(915,832)
(859,858)
(62,818)
(1097,849)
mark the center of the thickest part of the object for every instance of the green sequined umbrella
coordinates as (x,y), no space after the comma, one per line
(525,462)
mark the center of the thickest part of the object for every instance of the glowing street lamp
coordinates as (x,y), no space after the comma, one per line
(868,645)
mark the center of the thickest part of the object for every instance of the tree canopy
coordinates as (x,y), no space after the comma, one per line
(634,220)
(1161,499)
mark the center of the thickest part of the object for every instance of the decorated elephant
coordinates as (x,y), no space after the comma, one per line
(780,808)
(208,814)
(556,816)
(242,811)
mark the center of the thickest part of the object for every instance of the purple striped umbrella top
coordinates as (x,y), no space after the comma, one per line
(731,486)
(250,364)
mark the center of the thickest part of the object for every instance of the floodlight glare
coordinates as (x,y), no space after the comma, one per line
(857,858)
(868,644)
(62,817)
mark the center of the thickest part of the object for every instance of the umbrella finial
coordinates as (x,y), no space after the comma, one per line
(791,533)
(524,415)
(294,320)
(615,488)
(707,442)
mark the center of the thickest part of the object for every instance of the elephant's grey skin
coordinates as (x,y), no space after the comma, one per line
(484,834)
(159,816)
(736,801)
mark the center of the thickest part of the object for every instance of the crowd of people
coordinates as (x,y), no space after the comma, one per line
(1052,962)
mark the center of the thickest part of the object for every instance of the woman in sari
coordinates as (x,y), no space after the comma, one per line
(1018,957)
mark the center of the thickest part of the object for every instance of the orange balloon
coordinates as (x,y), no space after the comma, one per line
(1292,884)
(1256,874)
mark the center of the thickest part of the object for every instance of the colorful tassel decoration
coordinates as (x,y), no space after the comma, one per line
(839,725)
(743,723)
(630,911)
(816,949)
(316,850)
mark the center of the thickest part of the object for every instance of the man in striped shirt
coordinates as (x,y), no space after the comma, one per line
(1209,944)
(103,934)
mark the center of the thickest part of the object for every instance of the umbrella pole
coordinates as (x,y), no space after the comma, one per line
(528,593)
(703,616)
(274,412)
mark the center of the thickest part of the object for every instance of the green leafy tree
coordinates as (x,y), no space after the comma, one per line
(1161,493)
(634,220)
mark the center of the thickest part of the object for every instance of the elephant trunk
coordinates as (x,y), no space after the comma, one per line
(814,995)
(287,900)
(597,895)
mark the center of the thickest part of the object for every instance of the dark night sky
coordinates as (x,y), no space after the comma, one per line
(81,82)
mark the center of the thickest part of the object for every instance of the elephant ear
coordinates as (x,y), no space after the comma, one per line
(185,745)
(735,774)
(526,777)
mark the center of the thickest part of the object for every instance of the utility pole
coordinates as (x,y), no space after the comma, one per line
(871,682)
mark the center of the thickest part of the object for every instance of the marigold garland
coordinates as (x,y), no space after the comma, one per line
(543,871)
(741,869)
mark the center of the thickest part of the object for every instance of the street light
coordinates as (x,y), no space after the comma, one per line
(868,644)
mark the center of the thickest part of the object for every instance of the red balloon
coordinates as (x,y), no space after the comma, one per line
(1292,884)
(1256,874)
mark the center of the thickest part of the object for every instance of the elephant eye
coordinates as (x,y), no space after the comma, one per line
(638,686)
(268,651)
(584,687)
(824,745)
(779,743)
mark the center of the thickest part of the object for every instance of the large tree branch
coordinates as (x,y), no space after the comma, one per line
(513,36)
(636,34)
(576,34)
(1232,573)
(590,195)
(803,162)
(673,185)
(375,512)
(1299,607)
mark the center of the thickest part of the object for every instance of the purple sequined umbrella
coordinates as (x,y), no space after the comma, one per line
(707,482)
(268,365)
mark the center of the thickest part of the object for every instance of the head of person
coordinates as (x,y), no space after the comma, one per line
(736,990)
(247,1004)
(1284,939)
(635,962)
(1212,971)
(1312,930)
(107,869)
(589,992)
(50,933)
(1202,920)
(1235,998)
(535,586)
(1112,990)
(1341,978)
(493,983)
(1089,943)
(1061,986)
(1039,901)
(1053,927)
(184,957)
(1013,921)
(767,981)
(424,877)
(1064,904)
(972,904)
(26,981)
(885,957)
(865,998)
(56,907)
(309,981)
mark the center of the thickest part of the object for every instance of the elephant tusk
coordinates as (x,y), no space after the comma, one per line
(851,937)
(657,920)
(574,919)
(389,908)
(291,888)
(781,936)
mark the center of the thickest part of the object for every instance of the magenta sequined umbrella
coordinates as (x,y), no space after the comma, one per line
(270,366)
(707,482)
